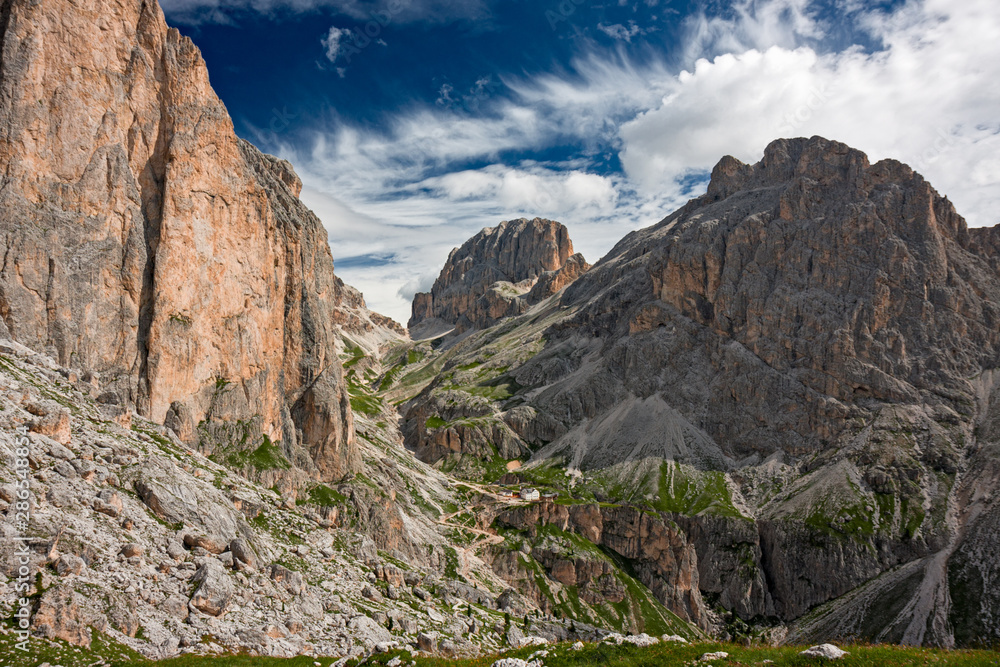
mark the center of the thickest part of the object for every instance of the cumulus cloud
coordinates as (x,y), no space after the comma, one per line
(922,99)
(920,90)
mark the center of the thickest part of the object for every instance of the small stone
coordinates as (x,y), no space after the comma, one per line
(207,543)
(55,425)
(215,589)
(131,551)
(64,469)
(176,551)
(427,642)
(85,469)
(68,564)
(243,554)
(175,607)
(718,655)
(293,581)
(275,632)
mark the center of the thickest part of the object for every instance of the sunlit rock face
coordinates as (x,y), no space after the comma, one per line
(146,242)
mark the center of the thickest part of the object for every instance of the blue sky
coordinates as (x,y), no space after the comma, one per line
(415,123)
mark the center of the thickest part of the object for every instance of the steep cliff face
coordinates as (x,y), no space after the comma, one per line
(815,308)
(800,291)
(144,241)
(661,556)
(499,272)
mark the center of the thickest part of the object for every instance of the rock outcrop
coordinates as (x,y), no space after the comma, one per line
(146,243)
(500,272)
(662,558)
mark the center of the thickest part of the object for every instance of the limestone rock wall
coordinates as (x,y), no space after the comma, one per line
(144,241)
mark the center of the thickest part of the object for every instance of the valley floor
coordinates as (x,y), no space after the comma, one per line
(105,652)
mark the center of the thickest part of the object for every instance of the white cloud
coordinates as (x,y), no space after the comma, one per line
(331,43)
(925,95)
(926,98)
(752,24)
(619,31)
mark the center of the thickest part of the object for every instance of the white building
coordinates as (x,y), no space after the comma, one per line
(529,494)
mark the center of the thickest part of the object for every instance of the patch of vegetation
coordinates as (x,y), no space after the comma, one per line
(451,564)
(435,422)
(366,405)
(666,654)
(181,319)
(355,354)
(684,490)
(324,496)
(266,457)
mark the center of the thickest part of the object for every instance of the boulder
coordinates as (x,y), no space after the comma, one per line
(68,564)
(243,554)
(828,651)
(214,589)
(291,580)
(177,497)
(60,616)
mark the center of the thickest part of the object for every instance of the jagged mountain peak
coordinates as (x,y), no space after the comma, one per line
(497,273)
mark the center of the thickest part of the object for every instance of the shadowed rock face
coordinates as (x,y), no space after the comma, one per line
(493,274)
(835,312)
(146,242)
(661,555)
(794,296)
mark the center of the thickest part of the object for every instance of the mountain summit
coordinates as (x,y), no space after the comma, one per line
(499,272)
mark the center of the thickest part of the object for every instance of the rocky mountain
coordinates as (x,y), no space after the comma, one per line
(772,416)
(499,272)
(214,463)
(796,367)
(145,242)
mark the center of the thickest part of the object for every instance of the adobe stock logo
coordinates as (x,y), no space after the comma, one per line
(562,13)
(817,99)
